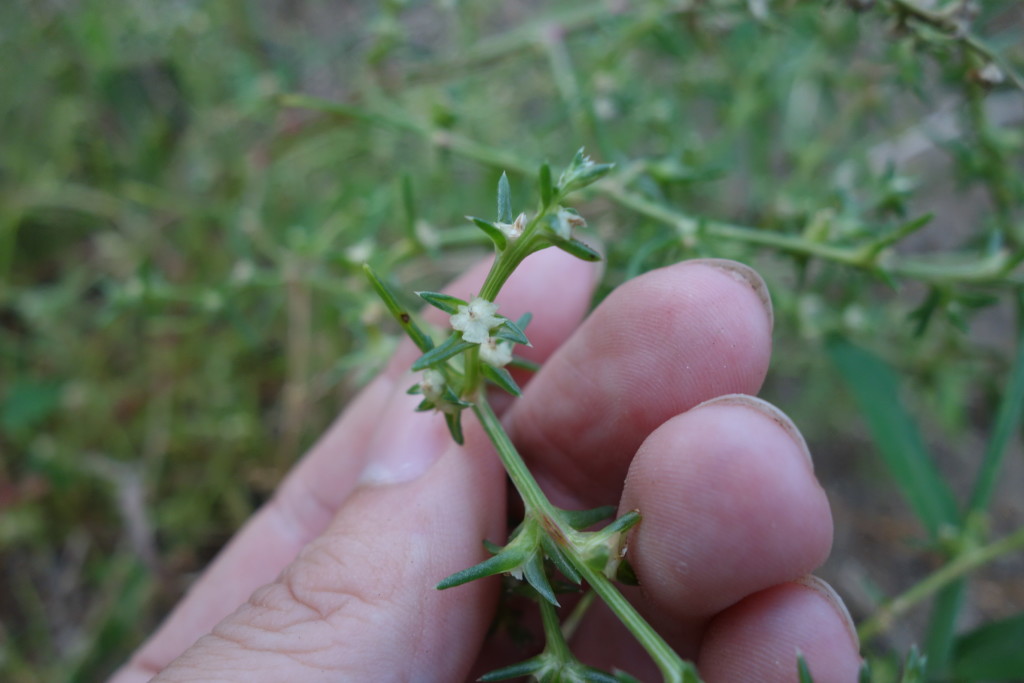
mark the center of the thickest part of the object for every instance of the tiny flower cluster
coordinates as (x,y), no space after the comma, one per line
(514,229)
(475,321)
(565,220)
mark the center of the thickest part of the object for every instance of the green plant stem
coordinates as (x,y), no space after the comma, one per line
(672,667)
(572,622)
(528,488)
(507,262)
(504,265)
(958,567)
(553,632)
(949,26)
(996,167)
(993,269)
(669,663)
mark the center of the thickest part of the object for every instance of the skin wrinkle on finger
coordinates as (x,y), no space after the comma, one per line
(715,336)
(759,638)
(312,492)
(273,537)
(358,601)
(729,507)
(769,411)
(658,345)
(320,483)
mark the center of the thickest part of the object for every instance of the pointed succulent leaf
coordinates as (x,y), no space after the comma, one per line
(451,399)
(803,672)
(588,175)
(537,576)
(502,378)
(688,673)
(524,364)
(524,321)
(452,346)
(597,557)
(418,336)
(530,666)
(578,160)
(447,303)
(915,667)
(527,525)
(492,548)
(414,389)
(425,405)
(505,561)
(509,331)
(623,523)
(504,200)
(581,172)
(454,422)
(544,180)
(576,248)
(559,559)
(581,519)
(625,574)
(492,230)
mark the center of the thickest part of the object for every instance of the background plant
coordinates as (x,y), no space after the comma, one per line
(188,191)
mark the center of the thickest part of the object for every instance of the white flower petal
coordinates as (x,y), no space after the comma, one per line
(476,320)
(496,353)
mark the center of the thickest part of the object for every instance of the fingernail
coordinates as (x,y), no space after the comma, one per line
(822,587)
(405,447)
(748,276)
(769,411)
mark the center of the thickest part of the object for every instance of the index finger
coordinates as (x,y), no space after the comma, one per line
(657,346)
(381,415)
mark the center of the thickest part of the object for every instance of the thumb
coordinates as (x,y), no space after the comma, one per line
(358,602)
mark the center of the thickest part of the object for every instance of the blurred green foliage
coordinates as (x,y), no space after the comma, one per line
(188,191)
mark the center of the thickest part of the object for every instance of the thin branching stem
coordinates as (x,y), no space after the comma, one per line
(669,663)
(960,566)
(991,269)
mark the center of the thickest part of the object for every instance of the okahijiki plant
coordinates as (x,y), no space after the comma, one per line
(479,348)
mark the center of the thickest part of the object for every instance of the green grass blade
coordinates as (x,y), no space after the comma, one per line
(941,628)
(992,652)
(875,389)
(1006,425)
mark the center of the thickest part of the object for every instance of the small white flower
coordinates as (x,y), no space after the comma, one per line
(565,221)
(432,385)
(496,352)
(515,229)
(476,320)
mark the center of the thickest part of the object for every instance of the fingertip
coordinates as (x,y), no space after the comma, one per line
(761,637)
(656,346)
(746,275)
(730,507)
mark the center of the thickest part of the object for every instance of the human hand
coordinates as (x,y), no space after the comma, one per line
(645,405)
